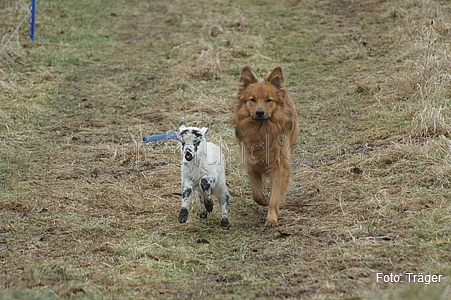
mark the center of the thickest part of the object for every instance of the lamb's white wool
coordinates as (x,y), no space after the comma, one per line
(203,172)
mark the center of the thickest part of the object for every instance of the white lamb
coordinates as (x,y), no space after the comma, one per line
(203,172)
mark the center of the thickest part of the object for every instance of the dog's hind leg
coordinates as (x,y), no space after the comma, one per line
(258,188)
(187,193)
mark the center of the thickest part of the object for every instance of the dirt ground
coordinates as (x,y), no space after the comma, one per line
(87,210)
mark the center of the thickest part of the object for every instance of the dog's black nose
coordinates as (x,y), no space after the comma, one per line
(260,113)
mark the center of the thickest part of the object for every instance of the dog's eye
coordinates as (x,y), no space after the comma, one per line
(253,100)
(268,100)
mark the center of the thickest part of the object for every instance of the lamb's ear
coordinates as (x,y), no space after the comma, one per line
(205,129)
(247,77)
(182,126)
(276,78)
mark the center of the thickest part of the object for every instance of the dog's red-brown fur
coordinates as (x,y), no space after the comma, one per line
(266,127)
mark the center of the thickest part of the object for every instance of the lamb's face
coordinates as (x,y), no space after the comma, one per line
(191,139)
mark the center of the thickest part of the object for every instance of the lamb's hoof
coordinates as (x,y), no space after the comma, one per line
(225,224)
(183,216)
(209,205)
(203,215)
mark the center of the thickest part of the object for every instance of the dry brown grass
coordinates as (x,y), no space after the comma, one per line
(430,123)
(88,211)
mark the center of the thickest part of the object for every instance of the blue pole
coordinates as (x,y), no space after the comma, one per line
(32,20)
(159,137)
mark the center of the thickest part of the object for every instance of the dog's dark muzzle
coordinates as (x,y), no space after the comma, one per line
(260,115)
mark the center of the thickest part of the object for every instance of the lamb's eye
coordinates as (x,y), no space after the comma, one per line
(268,100)
(196,143)
(253,100)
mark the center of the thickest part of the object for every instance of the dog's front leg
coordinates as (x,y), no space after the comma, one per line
(280,179)
(258,189)
(187,194)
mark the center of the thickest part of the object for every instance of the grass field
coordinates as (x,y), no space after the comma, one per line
(88,211)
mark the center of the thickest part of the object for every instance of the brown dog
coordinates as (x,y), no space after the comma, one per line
(266,128)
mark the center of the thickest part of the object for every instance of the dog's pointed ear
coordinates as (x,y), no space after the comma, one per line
(182,126)
(276,78)
(247,77)
(205,129)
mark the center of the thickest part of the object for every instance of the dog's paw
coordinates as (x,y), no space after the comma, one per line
(261,213)
(271,223)
(262,209)
(225,224)
(183,216)
(271,218)
(263,201)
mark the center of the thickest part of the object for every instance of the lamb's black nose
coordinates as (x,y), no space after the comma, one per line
(260,113)
(188,156)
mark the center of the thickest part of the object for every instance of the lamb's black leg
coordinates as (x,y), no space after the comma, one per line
(186,199)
